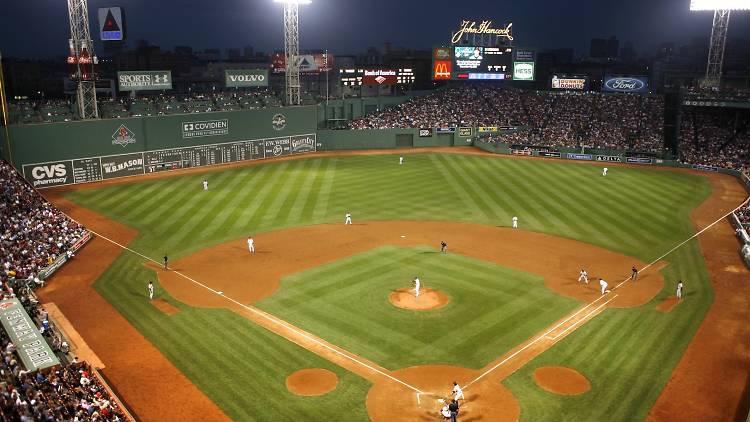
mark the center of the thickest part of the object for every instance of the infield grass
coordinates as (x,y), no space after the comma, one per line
(627,354)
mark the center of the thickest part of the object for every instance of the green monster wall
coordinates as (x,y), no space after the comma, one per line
(61,141)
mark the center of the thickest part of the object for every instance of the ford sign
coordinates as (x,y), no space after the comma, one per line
(621,84)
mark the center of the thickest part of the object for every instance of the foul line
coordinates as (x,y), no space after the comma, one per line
(268,317)
(540,337)
(583,319)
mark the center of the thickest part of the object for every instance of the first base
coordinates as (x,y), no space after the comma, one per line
(402,236)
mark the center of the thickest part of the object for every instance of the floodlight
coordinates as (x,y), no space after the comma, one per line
(293,1)
(719,4)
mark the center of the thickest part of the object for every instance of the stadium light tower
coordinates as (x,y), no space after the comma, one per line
(721,9)
(291,48)
(81,59)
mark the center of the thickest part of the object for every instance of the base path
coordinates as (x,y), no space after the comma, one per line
(137,370)
(710,379)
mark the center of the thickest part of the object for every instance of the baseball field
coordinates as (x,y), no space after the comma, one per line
(502,312)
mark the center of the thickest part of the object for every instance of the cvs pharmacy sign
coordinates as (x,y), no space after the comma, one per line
(49,174)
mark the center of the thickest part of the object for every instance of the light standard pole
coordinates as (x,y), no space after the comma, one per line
(291,48)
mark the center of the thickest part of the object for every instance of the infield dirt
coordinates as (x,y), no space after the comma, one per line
(719,351)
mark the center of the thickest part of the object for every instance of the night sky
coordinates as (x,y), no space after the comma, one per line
(39,28)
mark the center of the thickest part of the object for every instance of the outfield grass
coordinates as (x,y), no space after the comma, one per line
(628,354)
(491,308)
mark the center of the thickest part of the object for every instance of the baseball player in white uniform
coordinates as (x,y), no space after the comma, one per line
(604,285)
(604,171)
(584,276)
(348,218)
(401,160)
(150,290)
(515,222)
(417,286)
(205,184)
(458,393)
(250,244)
(679,290)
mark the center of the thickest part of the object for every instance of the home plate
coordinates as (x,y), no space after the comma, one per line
(402,236)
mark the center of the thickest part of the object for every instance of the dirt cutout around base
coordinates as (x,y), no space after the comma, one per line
(165,306)
(312,382)
(561,380)
(486,401)
(428,299)
(667,304)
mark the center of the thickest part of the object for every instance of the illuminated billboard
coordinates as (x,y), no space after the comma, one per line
(111,27)
(719,4)
(377,77)
(575,83)
(523,71)
(308,63)
(634,84)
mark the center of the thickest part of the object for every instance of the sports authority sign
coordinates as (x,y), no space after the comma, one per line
(243,78)
(205,128)
(144,80)
(379,77)
(30,345)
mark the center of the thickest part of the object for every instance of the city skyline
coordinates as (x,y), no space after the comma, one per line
(541,24)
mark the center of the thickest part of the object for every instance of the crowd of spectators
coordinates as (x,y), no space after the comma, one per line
(544,118)
(68,392)
(33,233)
(159,104)
(716,138)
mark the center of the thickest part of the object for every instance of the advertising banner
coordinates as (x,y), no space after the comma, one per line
(446,130)
(611,158)
(705,168)
(525,151)
(441,70)
(302,144)
(243,78)
(111,27)
(523,71)
(635,84)
(379,77)
(465,132)
(487,129)
(580,156)
(577,83)
(205,128)
(552,154)
(49,174)
(144,80)
(639,160)
(122,165)
(31,347)
(425,132)
(277,147)
(308,63)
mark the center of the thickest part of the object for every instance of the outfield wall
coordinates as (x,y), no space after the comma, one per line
(332,140)
(84,151)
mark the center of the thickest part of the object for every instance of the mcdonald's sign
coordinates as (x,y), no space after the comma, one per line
(441,70)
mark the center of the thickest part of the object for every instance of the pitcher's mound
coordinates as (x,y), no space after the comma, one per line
(428,299)
(561,380)
(312,382)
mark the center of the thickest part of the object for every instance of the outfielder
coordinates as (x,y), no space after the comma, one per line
(584,276)
(151,290)
(401,160)
(458,393)
(348,218)
(604,171)
(679,290)
(604,285)
(205,184)
(417,285)
(250,244)
(515,222)
(443,246)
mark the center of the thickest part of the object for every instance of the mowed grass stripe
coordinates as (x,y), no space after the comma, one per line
(477,194)
(294,211)
(281,205)
(469,200)
(245,218)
